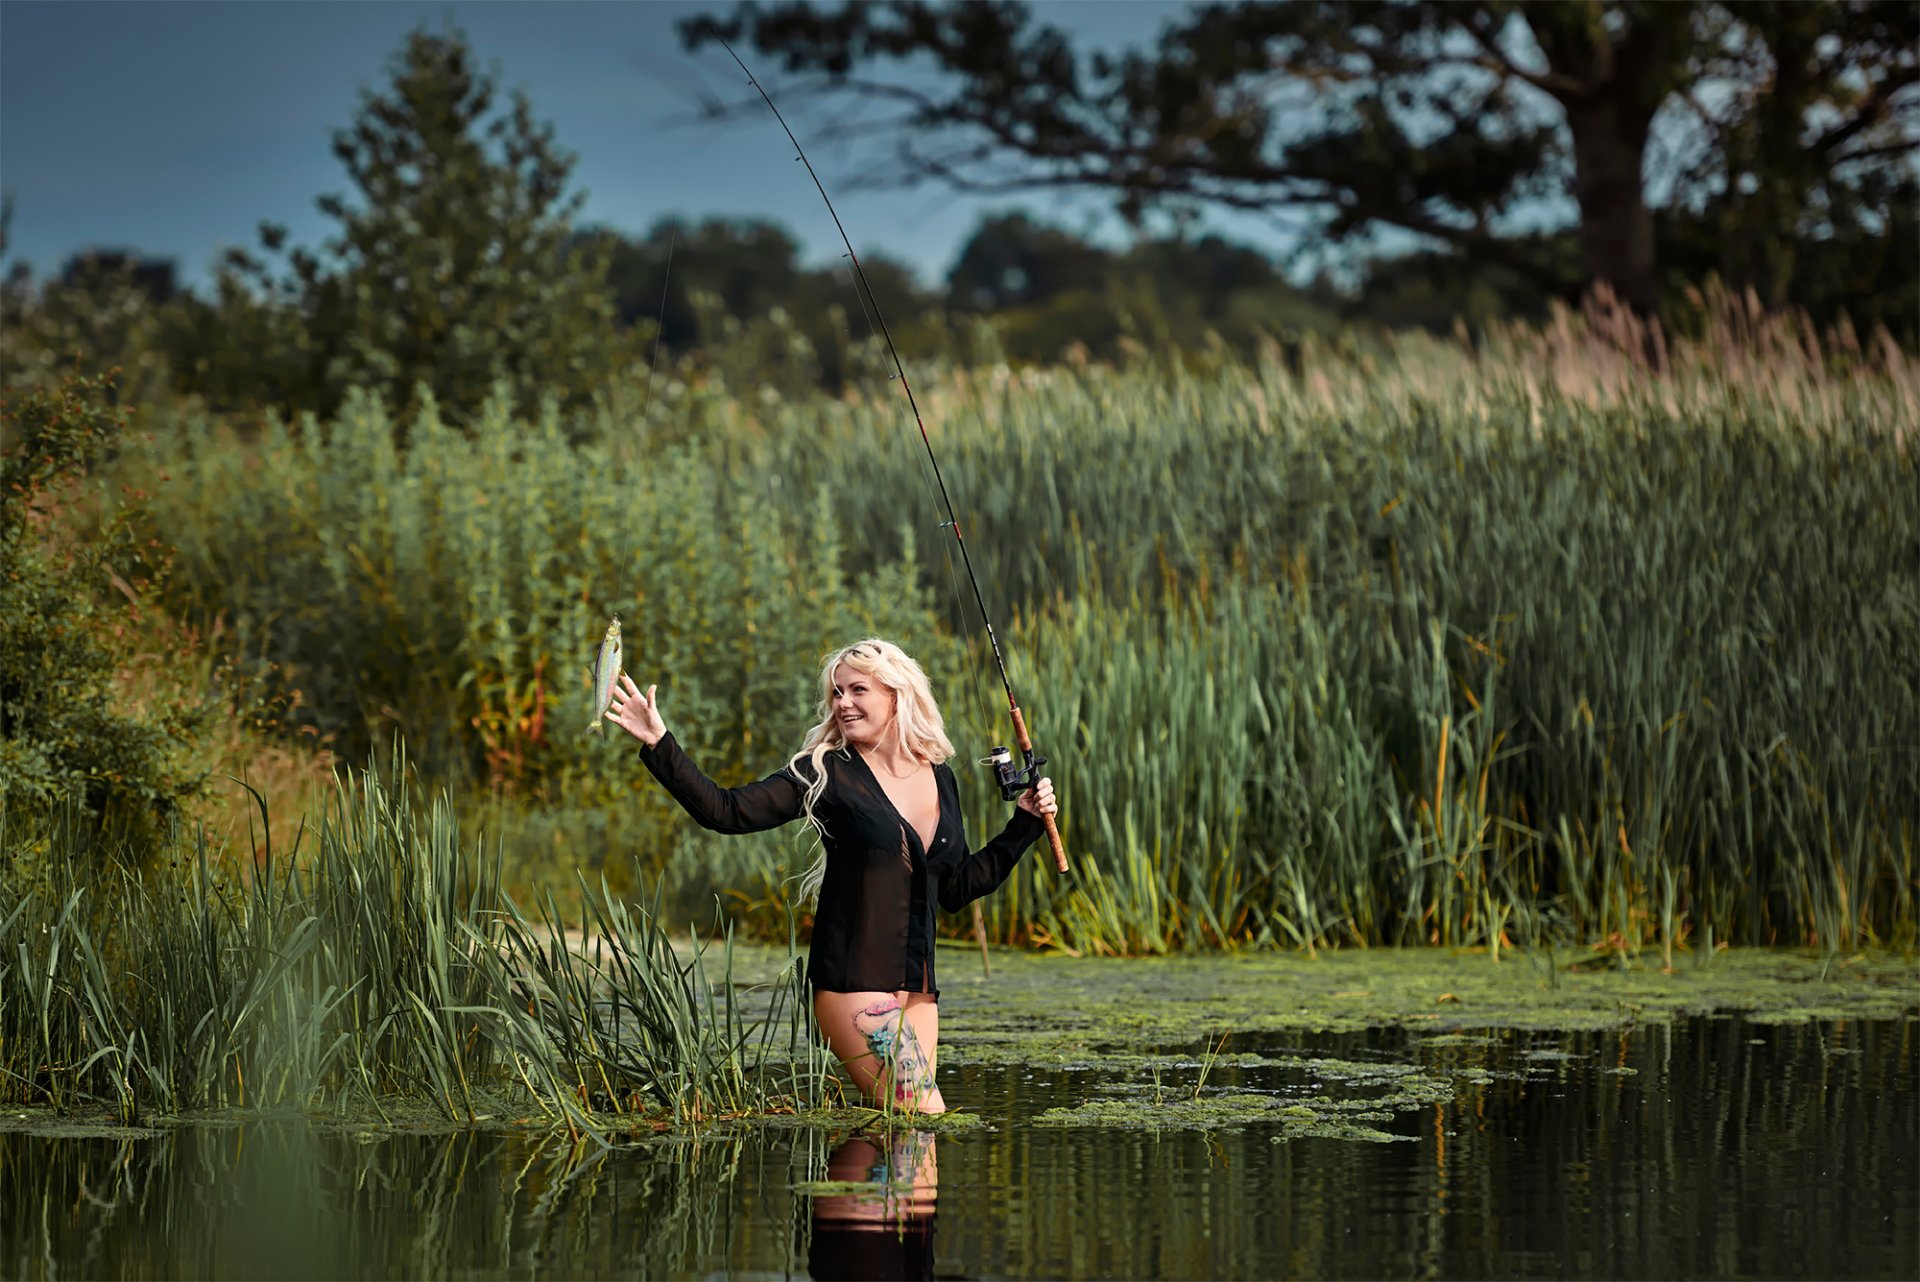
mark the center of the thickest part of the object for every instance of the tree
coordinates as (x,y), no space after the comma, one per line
(456,264)
(102,310)
(1050,291)
(1463,123)
(728,288)
(157,279)
(1011,260)
(749,264)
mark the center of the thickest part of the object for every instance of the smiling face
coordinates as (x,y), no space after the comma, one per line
(862,706)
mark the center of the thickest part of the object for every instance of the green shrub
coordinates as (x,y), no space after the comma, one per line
(68,730)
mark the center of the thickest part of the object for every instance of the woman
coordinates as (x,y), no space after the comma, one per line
(882,1225)
(873,780)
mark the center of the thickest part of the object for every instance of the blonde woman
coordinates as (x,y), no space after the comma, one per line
(872,777)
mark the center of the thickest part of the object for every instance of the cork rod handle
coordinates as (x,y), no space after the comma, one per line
(1053,833)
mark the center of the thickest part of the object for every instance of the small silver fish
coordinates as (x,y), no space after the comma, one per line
(605,670)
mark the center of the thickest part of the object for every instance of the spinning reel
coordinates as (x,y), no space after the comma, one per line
(1013,780)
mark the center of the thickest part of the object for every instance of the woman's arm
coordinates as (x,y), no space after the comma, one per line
(982,872)
(752,807)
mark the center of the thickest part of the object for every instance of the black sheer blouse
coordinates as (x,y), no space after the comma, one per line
(873,928)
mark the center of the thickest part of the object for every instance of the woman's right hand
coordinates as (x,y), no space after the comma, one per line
(636,713)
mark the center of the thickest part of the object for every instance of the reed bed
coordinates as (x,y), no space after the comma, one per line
(441,591)
(383,968)
(1072,477)
(1455,643)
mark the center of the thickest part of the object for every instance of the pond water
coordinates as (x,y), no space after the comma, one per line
(1707,1147)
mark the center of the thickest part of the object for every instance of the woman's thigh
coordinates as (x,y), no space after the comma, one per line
(887,1042)
(901,1173)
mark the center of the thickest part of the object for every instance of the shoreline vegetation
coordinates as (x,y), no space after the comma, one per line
(389,981)
(382,969)
(1500,643)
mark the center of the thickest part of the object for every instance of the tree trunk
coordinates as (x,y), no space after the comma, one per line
(1619,79)
(1758,249)
(1616,228)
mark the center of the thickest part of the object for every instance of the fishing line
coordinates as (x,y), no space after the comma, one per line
(983,716)
(1013,778)
(660,326)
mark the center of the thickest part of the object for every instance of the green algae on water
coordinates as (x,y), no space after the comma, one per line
(878,1190)
(1179,1114)
(1336,1129)
(1320,1118)
(1050,1010)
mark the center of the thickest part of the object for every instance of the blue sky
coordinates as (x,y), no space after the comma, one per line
(175,128)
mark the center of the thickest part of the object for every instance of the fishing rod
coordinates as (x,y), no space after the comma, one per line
(1013,779)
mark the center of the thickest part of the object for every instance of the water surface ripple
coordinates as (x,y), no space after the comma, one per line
(1710,1147)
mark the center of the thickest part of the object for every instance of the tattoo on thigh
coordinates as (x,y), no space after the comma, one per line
(900,1163)
(893,1043)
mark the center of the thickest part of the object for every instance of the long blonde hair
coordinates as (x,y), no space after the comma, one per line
(917,728)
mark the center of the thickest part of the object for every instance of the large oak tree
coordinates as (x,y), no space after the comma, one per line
(1491,127)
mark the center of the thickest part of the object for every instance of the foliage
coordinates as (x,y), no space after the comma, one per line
(1048,291)
(104,311)
(456,266)
(1453,123)
(730,297)
(1690,681)
(68,730)
(390,964)
(1773,163)
(1407,641)
(453,592)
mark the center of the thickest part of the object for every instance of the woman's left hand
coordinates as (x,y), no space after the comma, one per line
(1038,800)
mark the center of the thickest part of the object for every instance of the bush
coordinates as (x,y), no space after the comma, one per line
(65,732)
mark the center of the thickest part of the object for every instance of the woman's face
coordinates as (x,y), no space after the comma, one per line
(862,706)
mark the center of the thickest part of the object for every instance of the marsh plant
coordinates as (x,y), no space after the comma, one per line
(380,963)
(1419,641)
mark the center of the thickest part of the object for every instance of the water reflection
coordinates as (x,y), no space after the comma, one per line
(1713,1148)
(884,1228)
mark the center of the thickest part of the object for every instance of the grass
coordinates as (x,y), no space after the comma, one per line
(385,964)
(1504,643)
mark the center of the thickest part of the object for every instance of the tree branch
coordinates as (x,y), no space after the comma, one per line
(1906,146)
(1552,83)
(1870,111)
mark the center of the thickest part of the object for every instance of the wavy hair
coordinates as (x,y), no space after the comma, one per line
(917,728)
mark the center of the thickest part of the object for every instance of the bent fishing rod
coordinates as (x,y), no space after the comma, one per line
(1013,779)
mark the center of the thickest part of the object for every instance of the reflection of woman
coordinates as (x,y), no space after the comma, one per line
(872,778)
(886,1229)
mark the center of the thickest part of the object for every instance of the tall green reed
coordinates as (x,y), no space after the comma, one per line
(387,966)
(453,590)
(1418,643)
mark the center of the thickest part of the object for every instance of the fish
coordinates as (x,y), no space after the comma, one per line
(604,670)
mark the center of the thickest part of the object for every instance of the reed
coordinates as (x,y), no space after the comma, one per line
(385,966)
(1423,641)
(439,591)
(1360,788)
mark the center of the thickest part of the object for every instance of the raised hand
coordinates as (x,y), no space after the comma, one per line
(636,713)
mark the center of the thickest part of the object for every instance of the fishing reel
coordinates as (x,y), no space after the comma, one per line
(1013,780)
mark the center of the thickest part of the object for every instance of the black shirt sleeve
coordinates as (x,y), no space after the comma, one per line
(981,872)
(752,807)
